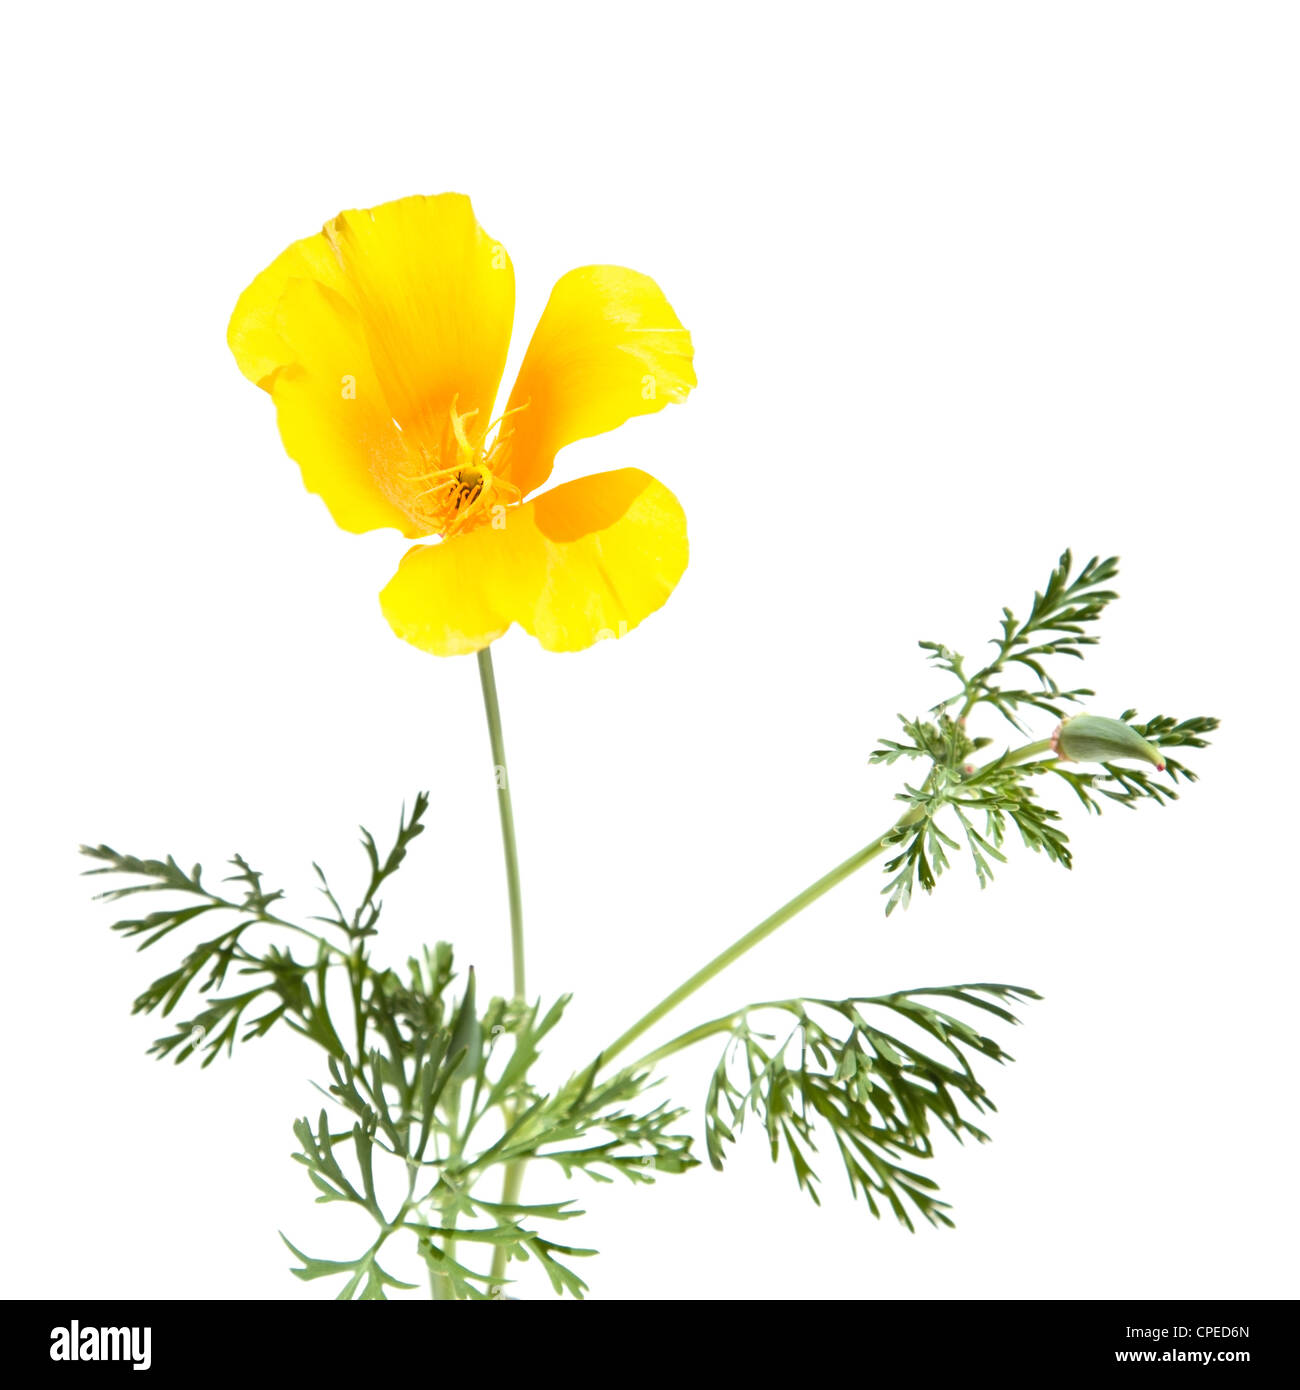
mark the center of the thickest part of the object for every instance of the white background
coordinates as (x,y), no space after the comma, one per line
(968,284)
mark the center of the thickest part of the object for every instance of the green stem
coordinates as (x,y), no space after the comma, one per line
(356,978)
(768,925)
(514,1175)
(487,678)
(697,1034)
(440,1285)
(1025,755)
(752,938)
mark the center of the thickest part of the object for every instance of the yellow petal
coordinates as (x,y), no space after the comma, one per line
(254,334)
(366,335)
(436,298)
(608,346)
(333,417)
(587,560)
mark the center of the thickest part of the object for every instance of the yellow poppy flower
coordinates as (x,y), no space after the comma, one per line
(382,341)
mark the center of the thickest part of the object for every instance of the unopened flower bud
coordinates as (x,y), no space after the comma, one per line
(1091,738)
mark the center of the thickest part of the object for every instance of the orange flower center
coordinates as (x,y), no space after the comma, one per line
(459,484)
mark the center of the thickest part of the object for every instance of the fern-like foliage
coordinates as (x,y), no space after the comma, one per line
(964,803)
(874,1078)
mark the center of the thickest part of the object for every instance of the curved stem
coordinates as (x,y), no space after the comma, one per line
(1025,755)
(693,1035)
(770,924)
(757,934)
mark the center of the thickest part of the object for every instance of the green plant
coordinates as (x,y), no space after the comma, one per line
(429,1090)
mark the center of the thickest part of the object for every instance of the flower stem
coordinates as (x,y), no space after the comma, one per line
(1025,754)
(514,1174)
(752,938)
(487,678)
(770,924)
